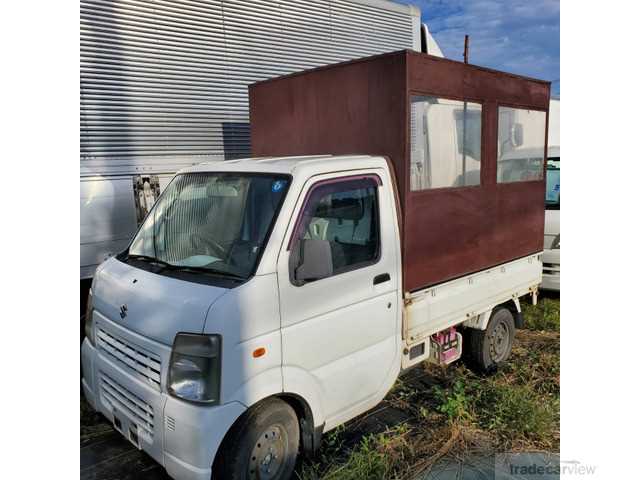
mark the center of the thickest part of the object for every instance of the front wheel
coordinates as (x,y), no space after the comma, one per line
(491,347)
(262,445)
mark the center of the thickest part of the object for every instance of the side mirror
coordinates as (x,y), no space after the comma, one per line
(315,262)
(517,135)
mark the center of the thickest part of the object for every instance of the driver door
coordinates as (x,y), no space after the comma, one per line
(342,330)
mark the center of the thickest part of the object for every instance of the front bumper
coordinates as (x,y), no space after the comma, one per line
(180,436)
(551,270)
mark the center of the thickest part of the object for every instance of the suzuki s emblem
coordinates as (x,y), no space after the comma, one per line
(123,311)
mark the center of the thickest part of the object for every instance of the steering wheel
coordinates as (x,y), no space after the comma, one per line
(217,249)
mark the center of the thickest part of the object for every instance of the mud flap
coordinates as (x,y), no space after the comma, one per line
(518,319)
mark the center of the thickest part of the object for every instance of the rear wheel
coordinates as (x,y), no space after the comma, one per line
(487,349)
(262,445)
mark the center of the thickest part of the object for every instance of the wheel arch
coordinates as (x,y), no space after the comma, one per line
(513,305)
(481,321)
(310,435)
(294,386)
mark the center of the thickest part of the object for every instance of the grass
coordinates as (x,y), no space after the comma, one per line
(513,413)
(375,456)
(454,411)
(543,317)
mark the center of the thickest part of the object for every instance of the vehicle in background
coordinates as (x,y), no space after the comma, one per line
(164,86)
(551,255)
(266,301)
(519,161)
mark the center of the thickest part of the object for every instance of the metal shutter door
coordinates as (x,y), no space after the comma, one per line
(169,77)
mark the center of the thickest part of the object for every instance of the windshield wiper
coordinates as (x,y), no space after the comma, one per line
(185,268)
(150,259)
(210,271)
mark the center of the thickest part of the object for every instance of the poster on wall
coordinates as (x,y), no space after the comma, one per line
(146,190)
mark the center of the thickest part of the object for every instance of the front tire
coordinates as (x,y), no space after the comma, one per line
(491,347)
(262,445)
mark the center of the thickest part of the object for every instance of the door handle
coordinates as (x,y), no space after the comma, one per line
(383,277)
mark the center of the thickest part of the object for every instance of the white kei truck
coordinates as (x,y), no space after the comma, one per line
(263,302)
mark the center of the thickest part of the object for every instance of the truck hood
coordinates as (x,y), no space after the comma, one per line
(157,306)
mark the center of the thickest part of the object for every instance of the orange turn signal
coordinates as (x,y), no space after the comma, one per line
(258,352)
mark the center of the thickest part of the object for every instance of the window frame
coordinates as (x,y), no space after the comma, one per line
(300,218)
(495,140)
(483,117)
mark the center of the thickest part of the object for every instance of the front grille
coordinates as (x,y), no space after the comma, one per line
(141,362)
(136,409)
(551,268)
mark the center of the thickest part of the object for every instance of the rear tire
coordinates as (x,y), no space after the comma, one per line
(262,445)
(489,348)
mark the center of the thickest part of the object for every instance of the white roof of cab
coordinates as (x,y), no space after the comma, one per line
(305,165)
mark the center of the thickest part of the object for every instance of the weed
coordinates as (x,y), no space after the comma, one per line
(423,412)
(333,443)
(403,395)
(454,402)
(375,457)
(535,368)
(545,316)
(513,411)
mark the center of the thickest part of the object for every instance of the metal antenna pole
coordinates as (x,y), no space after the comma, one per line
(466,49)
(464,119)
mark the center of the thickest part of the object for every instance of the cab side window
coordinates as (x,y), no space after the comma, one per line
(342,220)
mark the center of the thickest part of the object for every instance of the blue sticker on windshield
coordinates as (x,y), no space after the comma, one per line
(278,185)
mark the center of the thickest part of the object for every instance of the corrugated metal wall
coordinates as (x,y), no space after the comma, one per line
(169,77)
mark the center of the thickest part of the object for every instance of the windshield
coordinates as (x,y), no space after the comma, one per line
(552,197)
(211,222)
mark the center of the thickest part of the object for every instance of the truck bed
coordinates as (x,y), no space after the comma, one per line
(467,300)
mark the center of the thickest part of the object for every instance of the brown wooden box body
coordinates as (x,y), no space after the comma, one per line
(362,107)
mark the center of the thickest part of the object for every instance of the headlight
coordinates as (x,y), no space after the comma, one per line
(194,369)
(88,318)
(556,243)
